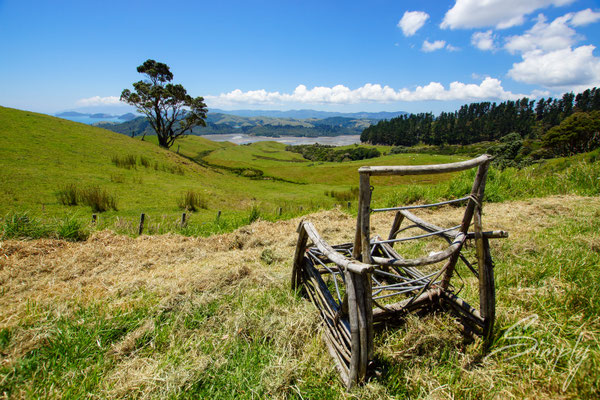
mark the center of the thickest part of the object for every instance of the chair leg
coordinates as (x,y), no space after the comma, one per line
(487,292)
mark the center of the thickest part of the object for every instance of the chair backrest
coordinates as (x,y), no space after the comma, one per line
(362,236)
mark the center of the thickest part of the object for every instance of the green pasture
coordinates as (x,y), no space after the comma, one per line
(41,155)
(272,158)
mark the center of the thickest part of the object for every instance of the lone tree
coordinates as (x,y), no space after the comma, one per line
(168,107)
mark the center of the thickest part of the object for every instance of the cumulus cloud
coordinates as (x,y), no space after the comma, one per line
(433,46)
(98,101)
(489,88)
(412,21)
(483,40)
(548,56)
(543,36)
(585,17)
(560,69)
(499,13)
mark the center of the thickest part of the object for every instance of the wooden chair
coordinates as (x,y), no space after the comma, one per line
(353,284)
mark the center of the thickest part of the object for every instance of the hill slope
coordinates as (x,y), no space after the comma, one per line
(41,154)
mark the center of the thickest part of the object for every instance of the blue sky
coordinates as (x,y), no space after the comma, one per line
(375,55)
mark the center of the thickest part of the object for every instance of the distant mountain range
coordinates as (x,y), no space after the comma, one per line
(274,123)
(305,114)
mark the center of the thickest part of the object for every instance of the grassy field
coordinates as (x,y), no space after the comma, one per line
(43,156)
(106,315)
(272,158)
(178,317)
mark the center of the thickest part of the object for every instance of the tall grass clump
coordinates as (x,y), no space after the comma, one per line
(192,201)
(343,195)
(555,177)
(68,195)
(99,199)
(20,225)
(145,162)
(254,214)
(70,228)
(127,161)
(117,178)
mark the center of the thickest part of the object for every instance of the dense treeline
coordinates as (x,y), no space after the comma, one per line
(477,122)
(320,152)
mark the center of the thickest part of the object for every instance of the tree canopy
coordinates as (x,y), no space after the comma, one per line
(171,111)
(485,121)
(577,133)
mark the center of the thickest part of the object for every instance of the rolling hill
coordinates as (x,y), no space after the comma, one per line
(41,154)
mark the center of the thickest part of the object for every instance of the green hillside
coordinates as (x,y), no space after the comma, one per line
(41,154)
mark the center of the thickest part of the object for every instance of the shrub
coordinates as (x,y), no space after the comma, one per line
(68,195)
(192,201)
(99,199)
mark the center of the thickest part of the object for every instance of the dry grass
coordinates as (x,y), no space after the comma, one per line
(172,277)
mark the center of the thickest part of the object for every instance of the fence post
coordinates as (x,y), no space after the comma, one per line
(218,215)
(183,221)
(141,228)
(280,210)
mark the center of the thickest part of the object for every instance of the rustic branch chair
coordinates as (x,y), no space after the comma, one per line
(352,284)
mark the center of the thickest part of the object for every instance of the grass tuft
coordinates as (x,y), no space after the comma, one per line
(343,195)
(70,228)
(68,195)
(99,199)
(145,162)
(254,214)
(128,161)
(22,225)
(192,201)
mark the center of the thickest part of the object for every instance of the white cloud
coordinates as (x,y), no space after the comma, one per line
(543,36)
(433,46)
(585,17)
(499,13)
(412,21)
(563,69)
(489,88)
(549,58)
(483,40)
(98,101)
